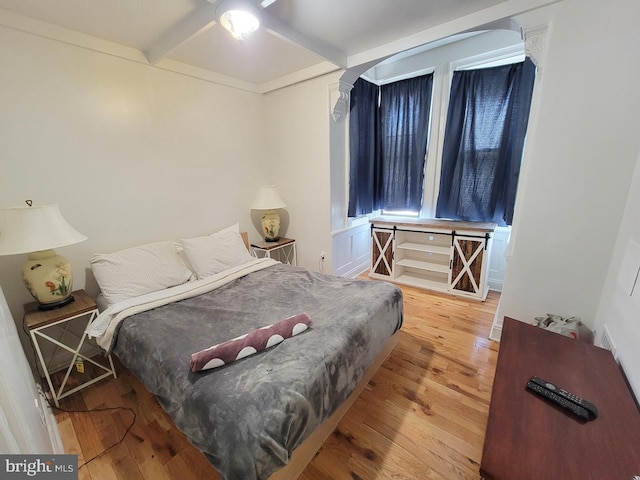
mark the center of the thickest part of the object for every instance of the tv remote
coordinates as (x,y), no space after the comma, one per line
(578,406)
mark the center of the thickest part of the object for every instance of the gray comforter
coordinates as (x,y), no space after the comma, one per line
(247,417)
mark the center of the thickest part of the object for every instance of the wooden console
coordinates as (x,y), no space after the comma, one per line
(530,438)
(443,255)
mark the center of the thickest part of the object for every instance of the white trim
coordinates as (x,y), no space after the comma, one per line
(478,20)
(503,56)
(356,252)
(510,251)
(535,44)
(496,333)
(417,73)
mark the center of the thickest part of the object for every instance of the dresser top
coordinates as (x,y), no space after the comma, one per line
(433,223)
(528,437)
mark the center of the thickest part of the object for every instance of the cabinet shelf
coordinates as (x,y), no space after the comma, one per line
(423,282)
(422,265)
(420,247)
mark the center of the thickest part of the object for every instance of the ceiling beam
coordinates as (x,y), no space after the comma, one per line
(193,24)
(281,30)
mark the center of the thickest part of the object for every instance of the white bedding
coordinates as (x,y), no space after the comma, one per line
(104,326)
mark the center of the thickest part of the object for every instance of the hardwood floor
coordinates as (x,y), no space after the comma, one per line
(422,416)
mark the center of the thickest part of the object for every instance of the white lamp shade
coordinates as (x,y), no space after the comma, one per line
(31,229)
(268,198)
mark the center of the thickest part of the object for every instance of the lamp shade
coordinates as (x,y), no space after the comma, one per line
(268,198)
(31,229)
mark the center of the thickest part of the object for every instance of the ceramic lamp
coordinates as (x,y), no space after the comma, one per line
(37,230)
(269,199)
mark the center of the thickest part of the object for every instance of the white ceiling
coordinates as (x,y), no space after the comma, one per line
(299,38)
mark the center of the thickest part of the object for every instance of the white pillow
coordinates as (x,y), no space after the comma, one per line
(139,270)
(214,253)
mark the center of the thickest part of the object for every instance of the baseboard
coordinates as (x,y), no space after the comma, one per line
(354,270)
(357,271)
(496,333)
(496,285)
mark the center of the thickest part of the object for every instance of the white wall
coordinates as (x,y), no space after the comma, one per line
(618,310)
(298,129)
(131,153)
(578,162)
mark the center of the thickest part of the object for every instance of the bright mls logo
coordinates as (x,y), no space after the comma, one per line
(51,467)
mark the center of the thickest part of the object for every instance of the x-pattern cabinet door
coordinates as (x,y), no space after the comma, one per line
(467,259)
(382,253)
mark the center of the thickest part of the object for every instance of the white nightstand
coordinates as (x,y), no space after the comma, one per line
(41,324)
(283,250)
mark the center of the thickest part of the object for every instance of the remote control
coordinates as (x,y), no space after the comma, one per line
(573,403)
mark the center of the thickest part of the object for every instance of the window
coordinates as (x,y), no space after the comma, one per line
(389,129)
(471,171)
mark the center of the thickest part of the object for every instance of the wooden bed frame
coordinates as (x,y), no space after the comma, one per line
(302,455)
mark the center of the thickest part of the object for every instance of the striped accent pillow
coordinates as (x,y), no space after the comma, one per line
(139,270)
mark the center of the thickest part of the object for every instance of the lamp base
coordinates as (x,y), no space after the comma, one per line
(48,278)
(54,305)
(271,226)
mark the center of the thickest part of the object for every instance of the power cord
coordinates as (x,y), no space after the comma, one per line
(89,410)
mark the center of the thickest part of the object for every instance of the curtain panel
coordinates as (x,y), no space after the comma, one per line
(389,128)
(405,108)
(484,141)
(363,125)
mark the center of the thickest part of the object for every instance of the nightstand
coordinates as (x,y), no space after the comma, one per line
(41,325)
(283,250)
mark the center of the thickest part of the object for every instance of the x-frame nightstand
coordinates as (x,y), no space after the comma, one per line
(39,322)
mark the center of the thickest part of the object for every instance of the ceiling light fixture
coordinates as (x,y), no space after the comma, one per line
(241,18)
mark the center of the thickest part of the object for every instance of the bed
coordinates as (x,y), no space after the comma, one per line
(266,415)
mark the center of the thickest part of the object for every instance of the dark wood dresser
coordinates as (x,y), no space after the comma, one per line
(529,437)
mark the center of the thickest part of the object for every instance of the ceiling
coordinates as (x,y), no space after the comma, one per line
(299,39)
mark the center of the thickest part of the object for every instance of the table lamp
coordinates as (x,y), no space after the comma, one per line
(37,230)
(269,199)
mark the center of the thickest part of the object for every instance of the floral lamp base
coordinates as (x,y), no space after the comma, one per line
(271,226)
(48,278)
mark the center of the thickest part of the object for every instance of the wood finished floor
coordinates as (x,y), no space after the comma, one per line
(422,416)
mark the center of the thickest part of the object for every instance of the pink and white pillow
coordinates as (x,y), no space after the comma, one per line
(249,343)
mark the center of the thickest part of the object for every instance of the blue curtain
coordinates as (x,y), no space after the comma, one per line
(363,125)
(483,143)
(405,108)
(388,131)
